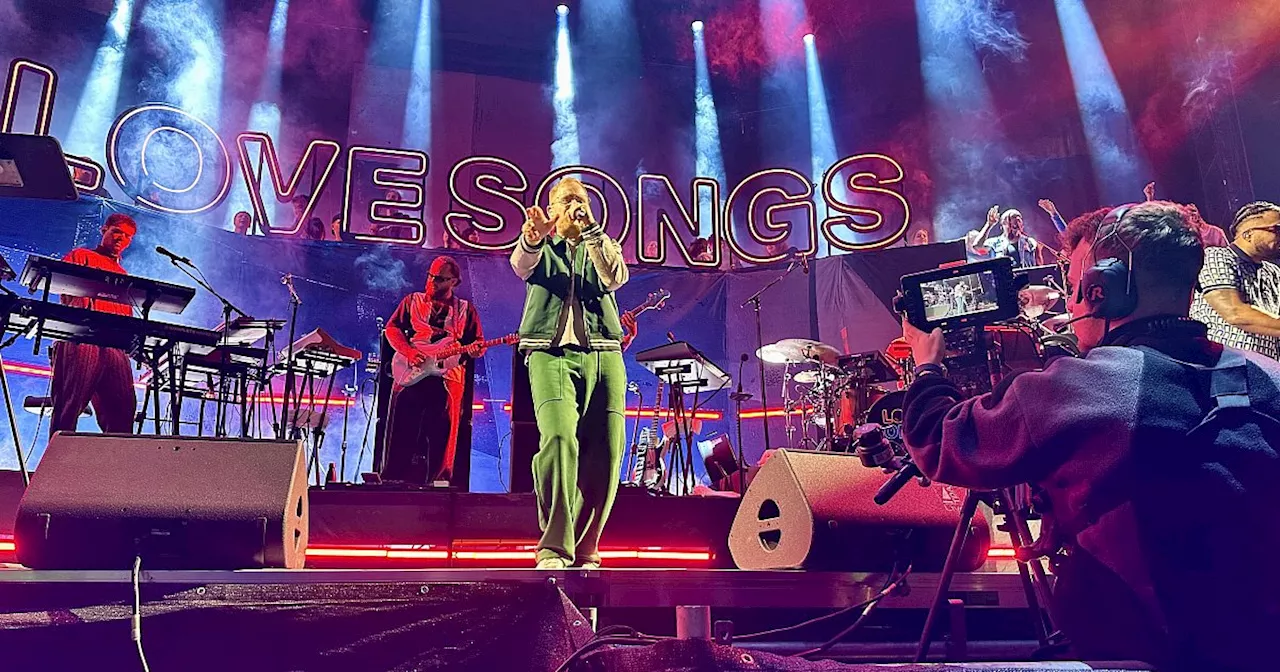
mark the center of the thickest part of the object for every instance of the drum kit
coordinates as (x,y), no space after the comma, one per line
(826,394)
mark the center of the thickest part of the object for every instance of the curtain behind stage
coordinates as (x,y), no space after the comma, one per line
(344,287)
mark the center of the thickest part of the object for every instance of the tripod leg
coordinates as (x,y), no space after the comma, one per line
(948,570)
(1033,605)
(1035,582)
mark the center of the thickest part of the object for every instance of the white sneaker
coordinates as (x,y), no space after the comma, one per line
(553,563)
(590,564)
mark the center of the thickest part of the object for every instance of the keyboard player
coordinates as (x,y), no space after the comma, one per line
(86,374)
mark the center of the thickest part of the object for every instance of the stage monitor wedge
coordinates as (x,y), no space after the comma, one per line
(98,500)
(814,510)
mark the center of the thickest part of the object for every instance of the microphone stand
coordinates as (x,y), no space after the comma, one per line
(227,309)
(353,391)
(283,431)
(754,300)
(739,397)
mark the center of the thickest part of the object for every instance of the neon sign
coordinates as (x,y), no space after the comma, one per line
(284,191)
(764,216)
(146,126)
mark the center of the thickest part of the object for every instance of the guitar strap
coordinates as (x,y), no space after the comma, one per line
(457,322)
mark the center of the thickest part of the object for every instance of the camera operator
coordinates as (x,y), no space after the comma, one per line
(1155,452)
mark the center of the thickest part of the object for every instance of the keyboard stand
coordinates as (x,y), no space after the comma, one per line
(8,396)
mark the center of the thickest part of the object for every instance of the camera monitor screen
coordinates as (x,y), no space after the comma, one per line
(960,296)
(967,295)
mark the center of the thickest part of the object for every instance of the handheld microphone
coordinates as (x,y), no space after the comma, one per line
(173,257)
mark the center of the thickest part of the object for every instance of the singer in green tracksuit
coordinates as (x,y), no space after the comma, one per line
(571,337)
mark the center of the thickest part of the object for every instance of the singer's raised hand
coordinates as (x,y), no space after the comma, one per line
(536,225)
(1048,206)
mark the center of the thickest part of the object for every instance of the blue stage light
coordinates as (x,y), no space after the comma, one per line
(1119,166)
(966,140)
(564,146)
(417,108)
(709,161)
(100,96)
(188,35)
(264,116)
(822,141)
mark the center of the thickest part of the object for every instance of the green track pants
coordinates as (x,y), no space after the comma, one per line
(579,399)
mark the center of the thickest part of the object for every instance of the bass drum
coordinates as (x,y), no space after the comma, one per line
(887,412)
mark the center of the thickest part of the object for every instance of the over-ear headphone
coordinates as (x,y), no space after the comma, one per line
(1107,286)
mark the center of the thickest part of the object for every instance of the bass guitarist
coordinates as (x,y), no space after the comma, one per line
(422,427)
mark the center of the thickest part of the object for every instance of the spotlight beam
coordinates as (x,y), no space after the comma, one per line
(189,33)
(965,136)
(417,107)
(564,147)
(1119,166)
(822,141)
(709,162)
(100,96)
(264,116)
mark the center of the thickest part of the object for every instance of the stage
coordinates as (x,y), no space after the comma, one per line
(373,549)
(236,234)
(603,588)
(41,604)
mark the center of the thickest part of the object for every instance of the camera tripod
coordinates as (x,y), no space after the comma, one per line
(1034,582)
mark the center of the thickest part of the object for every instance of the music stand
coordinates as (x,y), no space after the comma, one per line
(33,166)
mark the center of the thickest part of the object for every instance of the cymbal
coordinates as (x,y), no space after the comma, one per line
(1036,300)
(798,351)
(1055,323)
(813,376)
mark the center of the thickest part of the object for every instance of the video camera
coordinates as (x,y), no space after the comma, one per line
(962,300)
(954,298)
